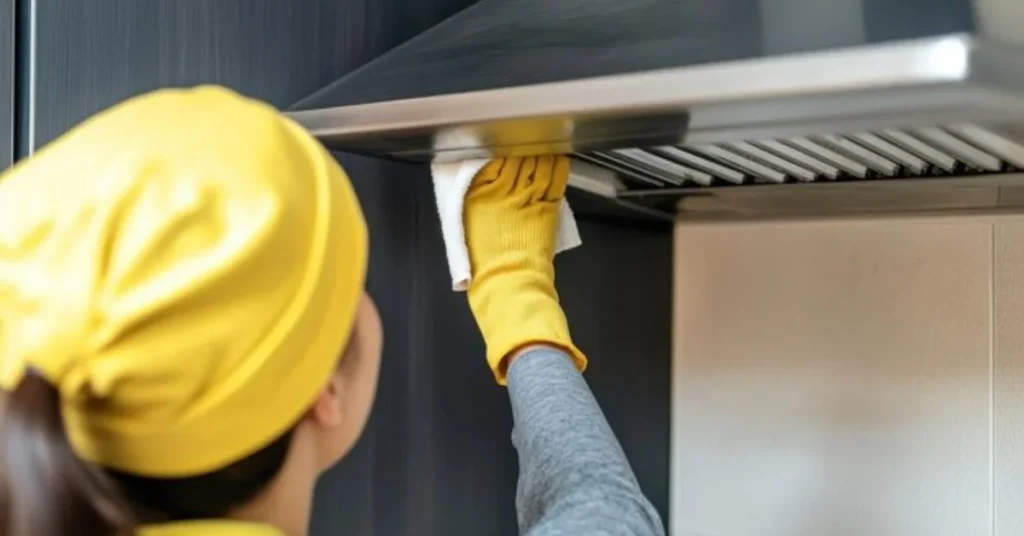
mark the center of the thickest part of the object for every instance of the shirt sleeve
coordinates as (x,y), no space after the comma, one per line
(573,475)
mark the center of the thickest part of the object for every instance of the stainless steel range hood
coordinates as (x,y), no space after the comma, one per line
(735,107)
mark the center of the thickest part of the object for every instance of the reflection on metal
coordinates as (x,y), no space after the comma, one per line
(771,160)
(625,172)
(661,177)
(875,161)
(594,179)
(853,168)
(767,196)
(948,80)
(729,157)
(972,156)
(1007,150)
(905,159)
(715,169)
(665,166)
(922,149)
(850,198)
(805,159)
(908,112)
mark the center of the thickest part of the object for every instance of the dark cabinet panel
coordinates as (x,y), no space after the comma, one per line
(617,293)
(436,458)
(6,83)
(94,53)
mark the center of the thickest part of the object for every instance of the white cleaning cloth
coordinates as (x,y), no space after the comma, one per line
(451,182)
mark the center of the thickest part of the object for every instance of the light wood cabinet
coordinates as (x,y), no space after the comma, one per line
(849,377)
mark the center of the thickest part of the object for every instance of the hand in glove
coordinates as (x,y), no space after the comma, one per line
(511,215)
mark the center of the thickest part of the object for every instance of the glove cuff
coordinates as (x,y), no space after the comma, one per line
(517,312)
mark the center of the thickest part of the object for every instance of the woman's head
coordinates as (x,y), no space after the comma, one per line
(181,282)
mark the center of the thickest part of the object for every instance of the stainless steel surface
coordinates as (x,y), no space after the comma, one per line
(961,150)
(866,155)
(970,194)
(806,159)
(497,43)
(937,106)
(1000,146)
(730,157)
(914,145)
(624,171)
(855,169)
(835,378)
(674,173)
(594,179)
(873,160)
(709,166)
(910,162)
(800,176)
(945,80)
(757,153)
(659,177)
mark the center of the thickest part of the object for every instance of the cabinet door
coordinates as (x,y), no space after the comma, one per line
(834,378)
(6,83)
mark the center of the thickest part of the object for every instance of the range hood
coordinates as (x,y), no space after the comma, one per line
(724,108)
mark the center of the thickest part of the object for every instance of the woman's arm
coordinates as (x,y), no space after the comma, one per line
(573,475)
(574,478)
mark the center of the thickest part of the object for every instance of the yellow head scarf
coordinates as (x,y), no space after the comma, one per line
(185,268)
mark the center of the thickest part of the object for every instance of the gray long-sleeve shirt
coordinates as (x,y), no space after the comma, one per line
(573,476)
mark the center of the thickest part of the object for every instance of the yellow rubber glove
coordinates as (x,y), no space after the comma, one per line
(510,216)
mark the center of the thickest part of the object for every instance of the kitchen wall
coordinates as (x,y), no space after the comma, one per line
(849,377)
(436,458)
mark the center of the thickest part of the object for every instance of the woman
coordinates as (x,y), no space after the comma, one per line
(185,342)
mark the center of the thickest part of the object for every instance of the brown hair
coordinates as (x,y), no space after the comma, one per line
(46,490)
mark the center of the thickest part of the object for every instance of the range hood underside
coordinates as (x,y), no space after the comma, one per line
(927,124)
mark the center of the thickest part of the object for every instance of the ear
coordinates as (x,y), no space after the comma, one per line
(327,410)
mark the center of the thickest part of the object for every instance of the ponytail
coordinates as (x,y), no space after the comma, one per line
(45,489)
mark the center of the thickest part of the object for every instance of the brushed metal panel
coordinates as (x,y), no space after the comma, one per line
(502,43)
(855,197)
(940,80)
(1008,399)
(832,378)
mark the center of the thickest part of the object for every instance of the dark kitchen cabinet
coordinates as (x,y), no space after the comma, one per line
(93,53)
(436,457)
(6,83)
